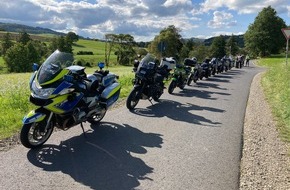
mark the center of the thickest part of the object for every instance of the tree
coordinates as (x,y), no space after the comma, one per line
(6,43)
(109,45)
(16,59)
(200,52)
(62,44)
(264,36)
(124,48)
(232,46)
(33,55)
(72,37)
(24,38)
(171,39)
(218,47)
(184,52)
(20,57)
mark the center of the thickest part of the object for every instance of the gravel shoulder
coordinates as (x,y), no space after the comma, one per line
(265,162)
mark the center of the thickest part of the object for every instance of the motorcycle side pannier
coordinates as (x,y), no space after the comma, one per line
(110,94)
(189,62)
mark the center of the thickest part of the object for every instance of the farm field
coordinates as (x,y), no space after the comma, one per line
(98,49)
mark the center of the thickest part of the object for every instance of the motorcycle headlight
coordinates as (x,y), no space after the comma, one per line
(40,92)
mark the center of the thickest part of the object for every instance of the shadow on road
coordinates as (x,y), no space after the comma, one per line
(102,159)
(204,94)
(179,112)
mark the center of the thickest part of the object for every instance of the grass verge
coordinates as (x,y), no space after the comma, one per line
(276,84)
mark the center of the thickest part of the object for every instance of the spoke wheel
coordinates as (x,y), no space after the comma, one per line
(132,99)
(32,135)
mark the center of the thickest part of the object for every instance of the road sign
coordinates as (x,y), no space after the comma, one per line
(286,32)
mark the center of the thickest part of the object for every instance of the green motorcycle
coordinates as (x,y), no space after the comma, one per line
(179,78)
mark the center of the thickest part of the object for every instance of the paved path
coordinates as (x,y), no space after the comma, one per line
(190,140)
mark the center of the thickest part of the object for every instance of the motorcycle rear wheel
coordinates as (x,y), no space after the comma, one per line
(32,136)
(132,99)
(95,119)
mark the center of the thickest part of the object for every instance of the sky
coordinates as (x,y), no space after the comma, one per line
(143,19)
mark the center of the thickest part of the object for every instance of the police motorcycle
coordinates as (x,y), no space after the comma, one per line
(65,97)
(180,75)
(214,63)
(148,82)
(206,69)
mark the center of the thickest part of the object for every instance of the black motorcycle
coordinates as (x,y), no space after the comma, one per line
(206,69)
(214,64)
(148,82)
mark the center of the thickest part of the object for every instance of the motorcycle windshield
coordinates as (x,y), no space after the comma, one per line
(147,62)
(53,65)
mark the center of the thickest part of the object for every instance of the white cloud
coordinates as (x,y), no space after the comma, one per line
(244,6)
(221,19)
(141,18)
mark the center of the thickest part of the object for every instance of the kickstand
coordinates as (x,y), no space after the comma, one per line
(150,100)
(83,130)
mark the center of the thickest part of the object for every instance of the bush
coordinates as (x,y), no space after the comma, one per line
(83,63)
(85,53)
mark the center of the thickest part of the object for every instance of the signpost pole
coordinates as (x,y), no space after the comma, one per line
(287,52)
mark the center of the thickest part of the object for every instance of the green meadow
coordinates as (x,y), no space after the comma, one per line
(96,47)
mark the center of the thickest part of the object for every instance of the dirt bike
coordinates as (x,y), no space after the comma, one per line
(65,97)
(148,82)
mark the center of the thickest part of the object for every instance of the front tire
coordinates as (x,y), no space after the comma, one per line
(132,99)
(33,136)
(171,87)
(190,79)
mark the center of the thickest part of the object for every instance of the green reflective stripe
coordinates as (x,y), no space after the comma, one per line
(59,76)
(32,113)
(113,92)
(57,100)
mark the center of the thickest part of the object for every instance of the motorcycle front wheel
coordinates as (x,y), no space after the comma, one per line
(171,87)
(190,79)
(33,135)
(132,99)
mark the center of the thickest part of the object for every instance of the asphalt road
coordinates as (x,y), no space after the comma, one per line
(189,140)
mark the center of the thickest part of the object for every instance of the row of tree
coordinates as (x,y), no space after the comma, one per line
(19,55)
(262,38)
